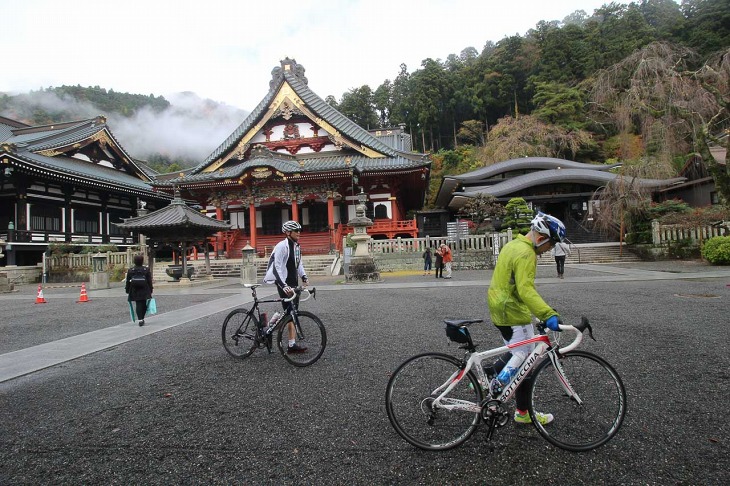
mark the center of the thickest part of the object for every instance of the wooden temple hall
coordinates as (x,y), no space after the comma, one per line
(296,157)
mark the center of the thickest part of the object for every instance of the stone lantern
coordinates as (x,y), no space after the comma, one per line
(362,266)
(248,264)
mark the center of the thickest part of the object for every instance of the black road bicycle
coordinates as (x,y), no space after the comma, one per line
(244,331)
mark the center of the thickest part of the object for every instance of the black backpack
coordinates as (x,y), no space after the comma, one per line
(138,280)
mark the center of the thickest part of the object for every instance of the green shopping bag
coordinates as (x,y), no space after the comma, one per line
(131,312)
(152,306)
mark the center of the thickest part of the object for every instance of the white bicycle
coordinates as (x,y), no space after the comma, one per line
(436,401)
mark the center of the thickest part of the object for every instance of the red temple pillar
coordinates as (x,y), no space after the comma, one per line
(294,210)
(394,209)
(252,224)
(219,241)
(331,219)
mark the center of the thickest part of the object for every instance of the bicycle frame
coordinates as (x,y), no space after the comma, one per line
(544,348)
(291,308)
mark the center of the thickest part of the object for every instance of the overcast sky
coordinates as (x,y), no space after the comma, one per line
(225,49)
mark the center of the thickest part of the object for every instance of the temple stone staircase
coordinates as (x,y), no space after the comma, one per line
(593,253)
(315,265)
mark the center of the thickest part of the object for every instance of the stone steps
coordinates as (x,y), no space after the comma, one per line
(315,265)
(594,253)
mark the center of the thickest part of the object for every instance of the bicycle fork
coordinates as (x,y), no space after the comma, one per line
(560,374)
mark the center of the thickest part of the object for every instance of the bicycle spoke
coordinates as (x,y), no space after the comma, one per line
(589,422)
(239,333)
(410,396)
(310,339)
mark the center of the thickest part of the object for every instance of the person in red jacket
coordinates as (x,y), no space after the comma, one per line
(448,258)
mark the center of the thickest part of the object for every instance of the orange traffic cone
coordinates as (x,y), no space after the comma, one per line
(40,299)
(83,297)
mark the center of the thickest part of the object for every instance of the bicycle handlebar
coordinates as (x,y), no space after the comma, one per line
(299,291)
(578,329)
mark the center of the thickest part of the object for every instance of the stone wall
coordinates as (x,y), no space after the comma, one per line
(23,275)
(471,260)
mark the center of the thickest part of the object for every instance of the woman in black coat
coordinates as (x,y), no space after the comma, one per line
(139,286)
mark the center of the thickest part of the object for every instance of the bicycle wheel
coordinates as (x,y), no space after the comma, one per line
(590,424)
(310,333)
(411,391)
(239,333)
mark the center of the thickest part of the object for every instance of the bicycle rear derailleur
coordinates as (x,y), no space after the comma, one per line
(494,415)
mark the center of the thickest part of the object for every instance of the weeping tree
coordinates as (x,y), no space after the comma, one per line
(675,104)
(528,136)
(619,204)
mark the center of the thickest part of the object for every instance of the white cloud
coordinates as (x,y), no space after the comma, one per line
(225,50)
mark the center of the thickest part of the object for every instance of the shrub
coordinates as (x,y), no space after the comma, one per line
(683,249)
(716,250)
(117,273)
(61,248)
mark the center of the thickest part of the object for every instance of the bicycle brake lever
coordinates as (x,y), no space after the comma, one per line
(584,324)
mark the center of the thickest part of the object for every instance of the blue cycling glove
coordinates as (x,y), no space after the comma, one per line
(552,323)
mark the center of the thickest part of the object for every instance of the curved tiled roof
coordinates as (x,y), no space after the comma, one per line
(527,163)
(289,165)
(177,214)
(561,176)
(293,74)
(87,172)
(24,145)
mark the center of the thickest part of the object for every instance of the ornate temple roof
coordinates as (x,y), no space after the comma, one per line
(289,94)
(54,150)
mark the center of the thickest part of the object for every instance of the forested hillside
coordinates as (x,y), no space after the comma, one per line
(644,83)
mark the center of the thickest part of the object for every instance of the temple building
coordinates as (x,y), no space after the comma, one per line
(559,187)
(67,183)
(297,157)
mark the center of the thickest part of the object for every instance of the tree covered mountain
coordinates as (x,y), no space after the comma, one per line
(169,135)
(645,83)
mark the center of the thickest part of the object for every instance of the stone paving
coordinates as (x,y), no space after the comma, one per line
(165,404)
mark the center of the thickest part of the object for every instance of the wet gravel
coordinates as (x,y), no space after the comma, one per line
(174,408)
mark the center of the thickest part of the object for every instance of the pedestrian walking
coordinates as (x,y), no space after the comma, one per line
(559,252)
(138,287)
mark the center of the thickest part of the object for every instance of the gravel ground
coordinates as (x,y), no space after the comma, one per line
(174,408)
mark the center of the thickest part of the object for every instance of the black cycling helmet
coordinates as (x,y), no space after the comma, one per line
(291,226)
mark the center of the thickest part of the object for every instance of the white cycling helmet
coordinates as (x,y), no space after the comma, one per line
(549,226)
(291,226)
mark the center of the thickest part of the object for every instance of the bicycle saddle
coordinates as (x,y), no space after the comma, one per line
(461,322)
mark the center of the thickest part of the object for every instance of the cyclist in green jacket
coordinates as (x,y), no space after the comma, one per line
(513,300)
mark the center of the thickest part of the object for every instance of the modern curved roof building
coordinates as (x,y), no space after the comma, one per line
(540,180)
